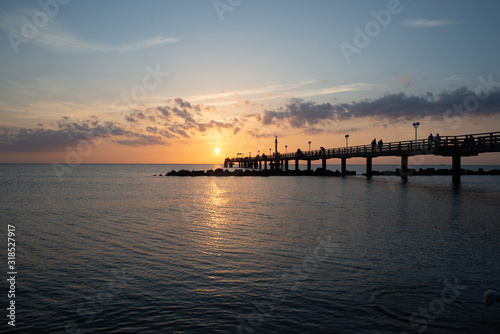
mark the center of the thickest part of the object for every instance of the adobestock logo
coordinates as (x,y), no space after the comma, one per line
(39,19)
(372,29)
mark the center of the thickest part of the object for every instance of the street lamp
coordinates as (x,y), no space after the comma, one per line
(415,125)
(346,140)
(309,146)
(258,153)
(286,149)
(269,152)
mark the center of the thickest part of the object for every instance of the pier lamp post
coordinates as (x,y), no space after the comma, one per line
(286,149)
(249,154)
(309,146)
(415,125)
(269,152)
(258,153)
(346,140)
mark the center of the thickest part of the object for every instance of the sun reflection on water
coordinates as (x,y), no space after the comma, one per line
(215,206)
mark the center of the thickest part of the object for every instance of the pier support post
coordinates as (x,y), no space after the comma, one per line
(343,167)
(286,164)
(455,169)
(323,164)
(260,164)
(404,166)
(296,164)
(368,167)
(308,164)
(265,165)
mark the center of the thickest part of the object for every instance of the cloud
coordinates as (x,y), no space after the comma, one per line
(454,77)
(334,90)
(56,36)
(159,125)
(300,114)
(423,23)
(143,140)
(281,90)
(407,80)
(390,108)
(16,139)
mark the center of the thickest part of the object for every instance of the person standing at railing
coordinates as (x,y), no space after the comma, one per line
(374,144)
(437,140)
(430,141)
(380,144)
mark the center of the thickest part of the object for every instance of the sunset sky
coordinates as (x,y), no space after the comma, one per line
(172,81)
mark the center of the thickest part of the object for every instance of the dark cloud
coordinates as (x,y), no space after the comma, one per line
(48,140)
(183,104)
(300,114)
(256,134)
(130,119)
(178,120)
(164,111)
(389,108)
(142,140)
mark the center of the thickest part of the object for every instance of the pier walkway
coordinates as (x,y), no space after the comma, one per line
(449,146)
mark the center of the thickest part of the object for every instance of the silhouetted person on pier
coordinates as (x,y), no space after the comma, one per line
(374,144)
(380,145)
(437,140)
(430,141)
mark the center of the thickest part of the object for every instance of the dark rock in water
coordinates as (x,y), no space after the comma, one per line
(183,173)
(221,172)
(322,172)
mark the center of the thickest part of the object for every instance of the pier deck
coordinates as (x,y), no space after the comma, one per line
(449,146)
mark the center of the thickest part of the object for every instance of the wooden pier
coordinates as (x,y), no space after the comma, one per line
(455,147)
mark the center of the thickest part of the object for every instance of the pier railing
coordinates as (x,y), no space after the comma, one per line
(446,145)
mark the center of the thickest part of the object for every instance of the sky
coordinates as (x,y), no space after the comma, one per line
(172,81)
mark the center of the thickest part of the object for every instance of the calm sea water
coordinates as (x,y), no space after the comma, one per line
(113,249)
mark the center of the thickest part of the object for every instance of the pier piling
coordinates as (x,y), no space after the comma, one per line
(447,146)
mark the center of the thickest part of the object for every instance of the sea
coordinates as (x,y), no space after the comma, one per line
(115,249)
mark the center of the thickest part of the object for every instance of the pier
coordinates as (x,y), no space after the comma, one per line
(454,147)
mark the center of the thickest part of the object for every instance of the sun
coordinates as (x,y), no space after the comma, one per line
(217,151)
